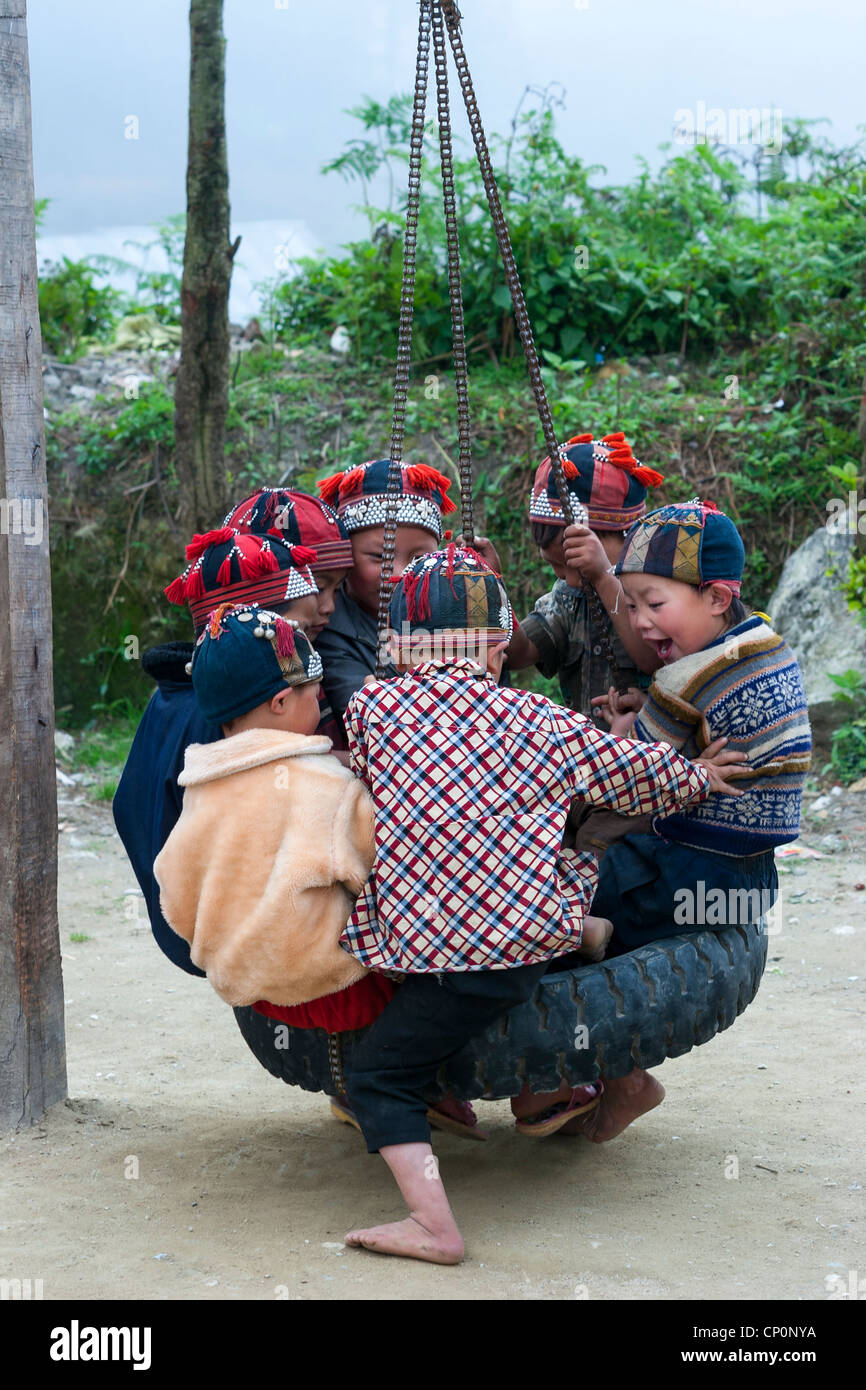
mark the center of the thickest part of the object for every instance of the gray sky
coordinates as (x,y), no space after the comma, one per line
(627,67)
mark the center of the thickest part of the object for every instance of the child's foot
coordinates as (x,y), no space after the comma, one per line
(413,1240)
(623,1100)
(597,932)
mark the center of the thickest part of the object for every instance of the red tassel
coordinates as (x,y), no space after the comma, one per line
(224,573)
(710,507)
(579,439)
(613,439)
(248,556)
(277,531)
(285,638)
(570,469)
(410,585)
(195,584)
(449,567)
(467,549)
(270,506)
(422,478)
(302,555)
(175,592)
(423,600)
(650,477)
(267,560)
(199,544)
(329,488)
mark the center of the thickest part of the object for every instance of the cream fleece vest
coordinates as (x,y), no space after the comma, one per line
(260,873)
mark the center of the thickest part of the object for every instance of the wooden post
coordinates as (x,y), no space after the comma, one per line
(32,1051)
(201,388)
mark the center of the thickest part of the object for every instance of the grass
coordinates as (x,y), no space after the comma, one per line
(104,748)
(77,936)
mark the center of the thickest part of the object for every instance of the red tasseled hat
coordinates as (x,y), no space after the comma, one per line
(603,475)
(359,495)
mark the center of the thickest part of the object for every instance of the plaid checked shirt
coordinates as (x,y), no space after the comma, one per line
(471,784)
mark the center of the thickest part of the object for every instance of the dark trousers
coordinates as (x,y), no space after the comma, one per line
(430,1018)
(652,888)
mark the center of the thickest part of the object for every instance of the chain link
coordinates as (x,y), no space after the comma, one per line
(404,334)
(455,294)
(431,15)
(521,317)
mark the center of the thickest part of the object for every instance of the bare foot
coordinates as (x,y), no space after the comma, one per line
(412,1240)
(597,932)
(624,1099)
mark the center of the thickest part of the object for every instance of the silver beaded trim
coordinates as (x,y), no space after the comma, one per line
(370,510)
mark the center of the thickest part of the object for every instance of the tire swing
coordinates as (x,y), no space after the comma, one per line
(637,1009)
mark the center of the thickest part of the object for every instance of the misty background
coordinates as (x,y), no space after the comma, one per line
(623,69)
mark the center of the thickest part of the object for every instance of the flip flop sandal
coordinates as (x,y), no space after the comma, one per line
(342,1111)
(464,1124)
(583,1099)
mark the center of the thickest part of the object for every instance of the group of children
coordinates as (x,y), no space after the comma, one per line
(344,852)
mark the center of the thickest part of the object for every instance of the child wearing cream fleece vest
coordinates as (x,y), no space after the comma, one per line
(275,839)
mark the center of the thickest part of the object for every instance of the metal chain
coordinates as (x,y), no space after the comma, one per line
(524,328)
(455,294)
(404,335)
(335,1063)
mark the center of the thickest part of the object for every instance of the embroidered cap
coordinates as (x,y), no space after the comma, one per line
(227,566)
(690,541)
(604,478)
(299,519)
(360,494)
(246,654)
(448,603)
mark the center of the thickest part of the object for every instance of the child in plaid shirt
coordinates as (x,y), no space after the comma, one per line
(471,895)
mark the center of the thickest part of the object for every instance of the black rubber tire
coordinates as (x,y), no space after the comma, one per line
(634,1010)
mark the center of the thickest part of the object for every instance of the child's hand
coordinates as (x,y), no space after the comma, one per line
(619,708)
(585,556)
(716,758)
(487,550)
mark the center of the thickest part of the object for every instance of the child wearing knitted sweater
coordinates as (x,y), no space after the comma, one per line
(723,673)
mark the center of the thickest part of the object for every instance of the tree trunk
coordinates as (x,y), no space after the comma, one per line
(32,1051)
(201,392)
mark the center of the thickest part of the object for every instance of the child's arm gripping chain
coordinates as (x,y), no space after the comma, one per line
(586,559)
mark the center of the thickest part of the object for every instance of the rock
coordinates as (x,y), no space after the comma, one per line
(810,612)
(144,331)
(50,381)
(859,786)
(832,844)
(83,393)
(63,742)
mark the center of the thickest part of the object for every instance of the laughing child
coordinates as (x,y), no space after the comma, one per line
(723,672)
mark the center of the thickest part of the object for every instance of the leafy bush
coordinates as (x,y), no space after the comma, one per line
(848,748)
(73,311)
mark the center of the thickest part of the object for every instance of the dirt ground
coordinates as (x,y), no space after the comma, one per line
(179,1169)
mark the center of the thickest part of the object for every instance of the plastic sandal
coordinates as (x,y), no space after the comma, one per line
(583,1099)
(459,1118)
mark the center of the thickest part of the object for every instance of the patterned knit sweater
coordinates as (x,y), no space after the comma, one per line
(747,686)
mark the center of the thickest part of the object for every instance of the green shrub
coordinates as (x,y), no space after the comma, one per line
(73,311)
(848,748)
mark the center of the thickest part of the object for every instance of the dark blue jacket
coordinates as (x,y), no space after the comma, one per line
(148,800)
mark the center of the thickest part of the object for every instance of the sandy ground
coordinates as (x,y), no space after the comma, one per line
(179,1169)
